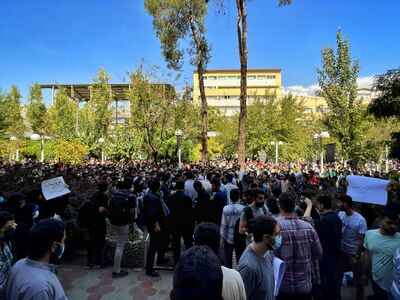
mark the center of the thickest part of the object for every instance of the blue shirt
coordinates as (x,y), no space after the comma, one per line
(395,290)
(352,227)
(33,280)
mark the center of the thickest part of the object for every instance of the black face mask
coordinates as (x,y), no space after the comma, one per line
(9,235)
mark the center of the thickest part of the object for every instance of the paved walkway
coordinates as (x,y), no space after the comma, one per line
(82,284)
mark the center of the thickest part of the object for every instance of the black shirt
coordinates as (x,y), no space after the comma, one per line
(329,231)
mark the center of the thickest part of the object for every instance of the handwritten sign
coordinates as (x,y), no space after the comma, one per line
(54,188)
(367,190)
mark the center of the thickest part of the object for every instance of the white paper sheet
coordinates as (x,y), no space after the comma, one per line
(279,270)
(54,188)
(367,189)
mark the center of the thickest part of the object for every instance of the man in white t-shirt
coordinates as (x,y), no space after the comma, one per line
(354,228)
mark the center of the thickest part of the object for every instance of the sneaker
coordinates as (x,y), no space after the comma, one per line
(119,274)
(88,267)
(153,273)
(96,267)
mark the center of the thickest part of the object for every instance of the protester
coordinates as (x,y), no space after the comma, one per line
(189,188)
(7,230)
(120,214)
(233,287)
(230,216)
(197,276)
(155,210)
(394,293)
(300,245)
(380,246)
(182,219)
(219,200)
(354,228)
(229,186)
(329,231)
(256,264)
(34,277)
(97,226)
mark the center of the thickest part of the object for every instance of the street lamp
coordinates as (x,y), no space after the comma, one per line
(12,139)
(179,134)
(37,137)
(101,141)
(320,136)
(276,150)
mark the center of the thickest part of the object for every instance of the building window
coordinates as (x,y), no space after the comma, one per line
(261,77)
(231,77)
(251,77)
(271,77)
(227,97)
(212,77)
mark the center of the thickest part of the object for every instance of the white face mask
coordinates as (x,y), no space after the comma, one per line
(60,251)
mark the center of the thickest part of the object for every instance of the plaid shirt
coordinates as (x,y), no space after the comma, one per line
(300,245)
(5,262)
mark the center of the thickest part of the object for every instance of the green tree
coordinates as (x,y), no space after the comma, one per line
(151,101)
(62,117)
(387,102)
(37,112)
(125,142)
(338,86)
(173,21)
(13,109)
(98,108)
(71,151)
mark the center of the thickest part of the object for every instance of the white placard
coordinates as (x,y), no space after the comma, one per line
(54,188)
(279,270)
(367,190)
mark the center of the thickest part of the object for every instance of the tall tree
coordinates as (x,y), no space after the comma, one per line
(37,112)
(387,102)
(241,28)
(338,86)
(174,20)
(98,108)
(13,109)
(62,116)
(151,101)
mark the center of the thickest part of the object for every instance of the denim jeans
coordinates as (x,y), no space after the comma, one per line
(121,237)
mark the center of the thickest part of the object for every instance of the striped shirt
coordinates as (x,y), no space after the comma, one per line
(230,214)
(5,262)
(395,289)
(300,245)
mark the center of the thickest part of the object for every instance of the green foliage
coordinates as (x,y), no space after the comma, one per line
(151,107)
(11,107)
(71,151)
(338,86)
(98,108)
(31,149)
(125,142)
(37,112)
(387,103)
(62,116)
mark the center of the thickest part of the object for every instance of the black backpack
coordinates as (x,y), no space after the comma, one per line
(241,238)
(119,212)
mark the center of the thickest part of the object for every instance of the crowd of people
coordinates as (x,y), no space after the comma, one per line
(233,225)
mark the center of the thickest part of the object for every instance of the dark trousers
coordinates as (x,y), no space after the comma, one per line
(95,245)
(165,238)
(285,296)
(154,245)
(187,236)
(228,253)
(327,266)
(379,293)
(346,262)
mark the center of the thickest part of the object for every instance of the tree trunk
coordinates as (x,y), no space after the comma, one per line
(200,74)
(242,41)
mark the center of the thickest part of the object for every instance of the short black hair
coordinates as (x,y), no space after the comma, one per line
(234,194)
(325,201)
(154,185)
(346,199)
(102,186)
(180,185)
(5,216)
(42,236)
(260,226)
(189,175)
(276,192)
(386,213)
(255,192)
(208,234)
(229,177)
(273,206)
(286,203)
(198,275)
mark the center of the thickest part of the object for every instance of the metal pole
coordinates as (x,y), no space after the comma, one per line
(276,153)
(322,156)
(102,154)
(387,158)
(179,152)
(17,154)
(42,150)
(77,116)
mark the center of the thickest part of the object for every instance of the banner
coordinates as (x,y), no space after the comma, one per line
(54,188)
(330,153)
(367,190)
